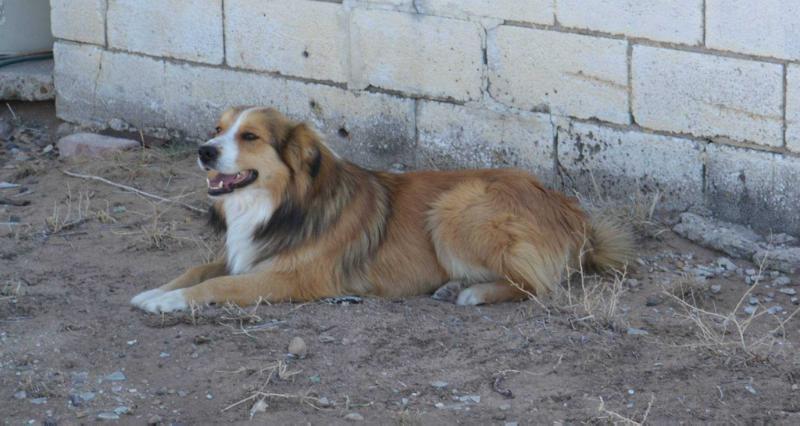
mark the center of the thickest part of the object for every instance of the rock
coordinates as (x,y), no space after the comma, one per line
(782,259)
(789,291)
(118,125)
(324,338)
(6,130)
(725,263)
(259,407)
(298,348)
(504,407)
(775,310)
(324,402)
(753,300)
(116,376)
(795,301)
(750,389)
(354,417)
(122,410)
(439,384)
(476,399)
(632,331)
(39,401)
(92,145)
(750,310)
(716,288)
(782,239)
(632,283)
(21,395)
(154,420)
(733,240)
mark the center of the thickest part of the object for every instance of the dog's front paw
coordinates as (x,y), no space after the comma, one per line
(449,291)
(169,301)
(144,296)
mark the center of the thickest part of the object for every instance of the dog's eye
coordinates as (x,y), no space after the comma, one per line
(249,136)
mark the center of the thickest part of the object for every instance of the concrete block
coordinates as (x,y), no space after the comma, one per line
(452,137)
(534,11)
(75,72)
(793,108)
(708,96)
(765,28)
(79,20)
(676,21)
(419,55)
(92,145)
(567,74)
(753,187)
(27,81)
(626,164)
(402,5)
(180,29)
(276,36)
(372,129)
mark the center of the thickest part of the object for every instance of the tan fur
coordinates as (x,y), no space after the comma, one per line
(339,229)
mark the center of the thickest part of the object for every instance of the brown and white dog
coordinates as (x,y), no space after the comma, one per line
(303,224)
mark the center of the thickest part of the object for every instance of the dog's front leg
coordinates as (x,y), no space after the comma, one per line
(191,277)
(242,290)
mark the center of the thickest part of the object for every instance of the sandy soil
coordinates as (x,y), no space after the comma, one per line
(72,350)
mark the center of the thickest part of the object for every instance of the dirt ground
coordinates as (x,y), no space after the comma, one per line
(661,344)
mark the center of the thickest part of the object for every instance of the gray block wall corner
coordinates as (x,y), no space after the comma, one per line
(696,104)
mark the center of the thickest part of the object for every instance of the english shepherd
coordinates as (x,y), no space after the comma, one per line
(302,224)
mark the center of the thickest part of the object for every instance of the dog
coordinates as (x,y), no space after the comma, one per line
(303,224)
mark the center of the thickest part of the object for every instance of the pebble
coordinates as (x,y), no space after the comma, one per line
(775,309)
(781,281)
(324,338)
(39,401)
(470,398)
(504,407)
(750,389)
(750,310)
(725,263)
(795,301)
(716,288)
(21,395)
(154,420)
(48,148)
(511,424)
(164,355)
(753,300)
(439,384)
(108,416)
(789,291)
(298,348)
(122,410)
(324,402)
(632,331)
(750,271)
(653,300)
(116,376)
(354,417)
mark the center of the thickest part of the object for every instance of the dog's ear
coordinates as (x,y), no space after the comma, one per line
(304,143)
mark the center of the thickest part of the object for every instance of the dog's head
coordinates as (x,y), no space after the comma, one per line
(259,147)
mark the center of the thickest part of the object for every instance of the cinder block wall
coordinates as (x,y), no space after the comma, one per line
(697,99)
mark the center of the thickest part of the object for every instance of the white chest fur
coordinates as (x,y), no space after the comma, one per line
(245,210)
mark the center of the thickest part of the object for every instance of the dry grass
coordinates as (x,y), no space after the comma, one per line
(74,211)
(617,418)
(732,334)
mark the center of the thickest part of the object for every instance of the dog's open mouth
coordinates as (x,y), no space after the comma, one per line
(221,183)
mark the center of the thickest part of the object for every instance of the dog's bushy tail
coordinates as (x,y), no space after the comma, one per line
(611,244)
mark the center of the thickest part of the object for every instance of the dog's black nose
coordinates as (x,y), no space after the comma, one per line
(207,153)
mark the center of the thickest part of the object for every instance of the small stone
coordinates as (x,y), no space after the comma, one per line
(788,290)
(324,338)
(653,300)
(725,263)
(632,283)
(750,389)
(795,387)
(716,288)
(439,405)
(92,145)
(750,271)
(154,420)
(108,416)
(783,259)
(47,149)
(775,309)
(122,410)
(259,407)
(753,300)
(131,342)
(439,384)
(298,348)
(354,417)
(117,124)
(504,407)
(21,395)
(782,281)
(750,310)
(470,398)
(324,402)
(116,376)
(632,331)
(209,396)
(795,301)
(39,401)
(164,355)
(511,424)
